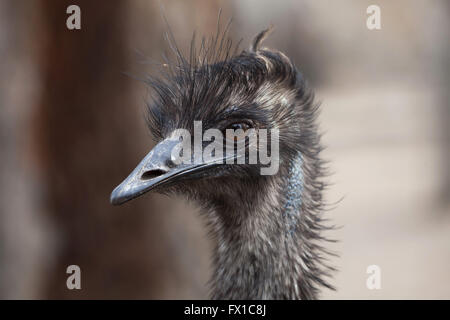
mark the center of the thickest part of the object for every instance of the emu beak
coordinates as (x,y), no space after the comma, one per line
(155,170)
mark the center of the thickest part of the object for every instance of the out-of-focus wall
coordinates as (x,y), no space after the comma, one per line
(385,115)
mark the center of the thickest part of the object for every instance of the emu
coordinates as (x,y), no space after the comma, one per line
(267,229)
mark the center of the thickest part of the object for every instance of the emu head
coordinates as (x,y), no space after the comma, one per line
(267,226)
(256,89)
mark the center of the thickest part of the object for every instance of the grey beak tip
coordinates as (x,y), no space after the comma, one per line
(113,201)
(115,198)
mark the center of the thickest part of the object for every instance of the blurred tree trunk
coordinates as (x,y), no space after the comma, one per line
(22,233)
(86,132)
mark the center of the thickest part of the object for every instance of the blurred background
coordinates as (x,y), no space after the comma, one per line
(72,127)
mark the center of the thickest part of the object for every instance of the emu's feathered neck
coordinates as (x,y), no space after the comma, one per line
(268,247)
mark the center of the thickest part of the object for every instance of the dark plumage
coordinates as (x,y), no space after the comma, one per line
(267,229)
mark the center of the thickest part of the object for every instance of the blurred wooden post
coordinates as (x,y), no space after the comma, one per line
(86,131)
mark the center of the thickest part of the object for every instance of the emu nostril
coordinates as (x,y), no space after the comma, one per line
(170,163)
(152,174)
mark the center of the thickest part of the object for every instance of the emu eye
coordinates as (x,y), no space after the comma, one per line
(244,126)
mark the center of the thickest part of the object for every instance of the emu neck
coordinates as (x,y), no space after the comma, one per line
(260,248)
